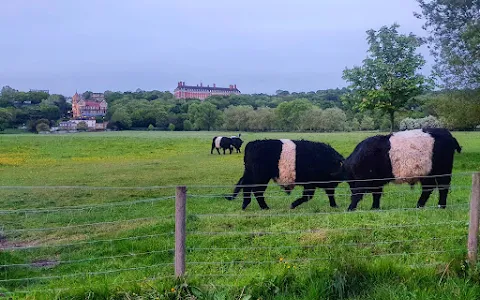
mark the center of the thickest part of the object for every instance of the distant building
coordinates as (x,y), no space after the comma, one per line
(94,106)
(202,92)
(42,91)
(91,124)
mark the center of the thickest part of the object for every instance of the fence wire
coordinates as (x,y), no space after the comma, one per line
(122,234)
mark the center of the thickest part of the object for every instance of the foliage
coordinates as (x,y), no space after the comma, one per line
(187,125)
(334,119)
(367,123)
(204,116)
(388,77)
(427,122)
(454,28)
(261,119)
(42,127)
(151,127)
(171,127)
(458,110)
(120,120)
(237,117)
(289,113)
(82,126)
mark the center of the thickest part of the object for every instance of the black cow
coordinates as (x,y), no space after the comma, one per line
(289,162)
(237,142)
(221,142)
(420,155)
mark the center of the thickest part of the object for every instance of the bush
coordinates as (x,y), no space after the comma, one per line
(367,123)
(430,121)
(82,126)
(334,119)
(171,127)
(42,127)
(354,125)
(187,125)
(151,127)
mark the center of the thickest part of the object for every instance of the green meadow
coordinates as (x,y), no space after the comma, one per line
(91,216)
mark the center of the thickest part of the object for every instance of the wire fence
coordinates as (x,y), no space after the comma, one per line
(121,236)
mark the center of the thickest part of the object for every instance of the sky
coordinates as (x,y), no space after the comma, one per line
(259,45)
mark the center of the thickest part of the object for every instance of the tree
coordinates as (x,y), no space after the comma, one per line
(237,117)
(367,123)
(204,115)
(334,119)
(42,127)
(388,77)
(312,119)
(454,28)
(5,118)
(261,119)
(290,113)
(187,125)
(120,119)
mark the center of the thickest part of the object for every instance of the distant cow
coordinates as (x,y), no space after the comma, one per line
(237,142)
(420,155)
(221,142)
(289,162)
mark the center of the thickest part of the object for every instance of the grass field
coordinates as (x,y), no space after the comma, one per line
(91,216)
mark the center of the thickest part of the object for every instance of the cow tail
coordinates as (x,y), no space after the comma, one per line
(457,145)
(237,190)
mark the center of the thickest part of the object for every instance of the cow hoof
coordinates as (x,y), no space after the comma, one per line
(229,198)
(334,206)
(442,206)
(265,208)
(351,209)
(292,206)
(375,208)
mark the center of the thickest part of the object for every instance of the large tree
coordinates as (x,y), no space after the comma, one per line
(389,76)
(454,27)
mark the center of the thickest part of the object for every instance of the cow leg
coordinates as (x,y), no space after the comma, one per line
(213,147)
(331,196)
(428,184)
(308,193)
(258,192)
(443,185)
(247,197)
(357,196)
(377,194)
(218,150)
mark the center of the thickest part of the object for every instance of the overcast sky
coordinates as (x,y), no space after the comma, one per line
(260,45)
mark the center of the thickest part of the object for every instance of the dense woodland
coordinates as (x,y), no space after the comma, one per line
(386,92)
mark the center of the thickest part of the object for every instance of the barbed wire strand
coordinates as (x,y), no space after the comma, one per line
(83,207)
(88,242)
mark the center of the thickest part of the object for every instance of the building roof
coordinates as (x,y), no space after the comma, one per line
(92,103)
(208,88)
(181,85)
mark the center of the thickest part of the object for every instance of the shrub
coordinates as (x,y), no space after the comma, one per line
(430,121)
(151,127)
(367,123)
(171,127)
(42,127)
(187,125)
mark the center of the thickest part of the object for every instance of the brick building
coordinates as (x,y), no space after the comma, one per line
(202,92)
(94,106)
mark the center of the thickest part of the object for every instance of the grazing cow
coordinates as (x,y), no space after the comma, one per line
(221,142)
(289,162)
(237,142)
(420,155)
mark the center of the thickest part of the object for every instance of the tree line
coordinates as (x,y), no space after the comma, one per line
(386,91)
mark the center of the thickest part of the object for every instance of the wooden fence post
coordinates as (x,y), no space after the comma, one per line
(180,232)
(473,224)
